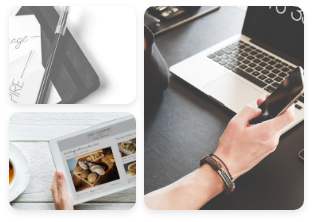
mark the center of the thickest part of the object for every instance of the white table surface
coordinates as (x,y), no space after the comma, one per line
(30,132)
(107,36)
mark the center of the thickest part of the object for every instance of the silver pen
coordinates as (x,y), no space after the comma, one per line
(59,33)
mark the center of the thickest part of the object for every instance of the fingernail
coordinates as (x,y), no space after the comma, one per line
(60,175)
(258,109)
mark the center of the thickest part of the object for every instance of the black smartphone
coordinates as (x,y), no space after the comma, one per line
(282,98)
(301,154)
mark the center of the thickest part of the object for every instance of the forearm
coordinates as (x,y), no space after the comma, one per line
(189,193)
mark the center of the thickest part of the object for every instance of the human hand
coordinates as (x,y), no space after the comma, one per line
(62,201)
(242,146)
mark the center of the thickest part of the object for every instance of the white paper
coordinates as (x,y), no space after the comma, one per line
(25,77)
(24,36)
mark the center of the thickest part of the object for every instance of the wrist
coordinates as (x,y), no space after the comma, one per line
(211,180)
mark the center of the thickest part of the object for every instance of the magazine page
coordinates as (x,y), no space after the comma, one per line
(99,161)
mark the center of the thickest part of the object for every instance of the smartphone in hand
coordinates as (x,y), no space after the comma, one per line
(282,98)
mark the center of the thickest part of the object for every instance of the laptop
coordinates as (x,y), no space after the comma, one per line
(245,67)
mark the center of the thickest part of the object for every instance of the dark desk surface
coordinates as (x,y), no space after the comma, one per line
(183,125)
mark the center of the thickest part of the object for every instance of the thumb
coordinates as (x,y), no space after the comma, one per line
(276,124)
(61,184)
(248,113)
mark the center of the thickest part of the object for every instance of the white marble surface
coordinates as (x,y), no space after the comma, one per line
(30,132)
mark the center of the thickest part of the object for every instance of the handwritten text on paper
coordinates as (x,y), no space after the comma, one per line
(14,90)
(19,41)
(24,36)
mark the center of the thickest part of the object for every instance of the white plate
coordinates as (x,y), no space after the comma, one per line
(127,151)
(21,172)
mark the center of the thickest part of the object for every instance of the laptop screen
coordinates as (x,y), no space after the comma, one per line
(280,29)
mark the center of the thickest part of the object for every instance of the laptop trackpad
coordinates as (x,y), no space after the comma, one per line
(232,92)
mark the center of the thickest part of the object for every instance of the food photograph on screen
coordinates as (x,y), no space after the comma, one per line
(130,169)
(93,169)
(127,148)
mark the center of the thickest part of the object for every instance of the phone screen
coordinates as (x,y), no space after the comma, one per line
(289,89)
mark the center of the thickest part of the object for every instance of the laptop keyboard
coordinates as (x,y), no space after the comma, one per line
(255,65)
